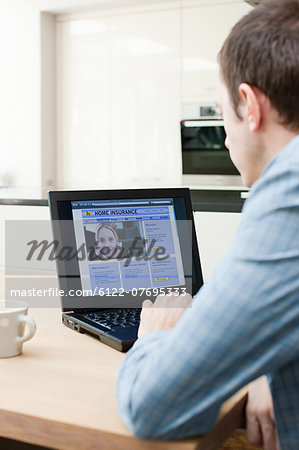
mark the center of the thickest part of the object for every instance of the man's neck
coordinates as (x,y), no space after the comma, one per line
(273,137)
(276,138)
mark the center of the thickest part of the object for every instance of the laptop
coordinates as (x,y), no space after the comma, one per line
(116,248)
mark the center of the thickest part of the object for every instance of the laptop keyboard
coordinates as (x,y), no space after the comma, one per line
(116,318)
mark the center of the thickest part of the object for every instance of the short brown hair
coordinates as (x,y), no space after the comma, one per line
(262,50)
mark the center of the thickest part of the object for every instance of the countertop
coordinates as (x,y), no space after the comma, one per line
(208,198)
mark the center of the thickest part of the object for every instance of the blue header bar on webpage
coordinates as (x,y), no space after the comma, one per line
(121,203)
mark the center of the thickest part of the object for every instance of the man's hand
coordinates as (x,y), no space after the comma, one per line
(261,428)
(163,314)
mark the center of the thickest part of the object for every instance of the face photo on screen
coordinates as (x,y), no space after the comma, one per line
(120,240)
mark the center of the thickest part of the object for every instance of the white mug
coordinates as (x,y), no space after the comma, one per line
(13,318)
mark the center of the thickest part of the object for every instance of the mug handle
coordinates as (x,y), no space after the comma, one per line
(31,329)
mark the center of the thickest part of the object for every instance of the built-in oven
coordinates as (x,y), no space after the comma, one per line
(205,159)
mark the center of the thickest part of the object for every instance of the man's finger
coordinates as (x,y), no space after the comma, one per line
(253,429)
(270,441)
(147,304)
(173,301)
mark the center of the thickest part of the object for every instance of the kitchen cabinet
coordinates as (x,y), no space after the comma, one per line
(119,99)
(122,76)
(204,29)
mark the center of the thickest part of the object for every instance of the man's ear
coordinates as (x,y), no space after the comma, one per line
(251,105)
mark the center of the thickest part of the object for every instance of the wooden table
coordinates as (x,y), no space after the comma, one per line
(60,393)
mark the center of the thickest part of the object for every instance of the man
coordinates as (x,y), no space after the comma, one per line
(244,323)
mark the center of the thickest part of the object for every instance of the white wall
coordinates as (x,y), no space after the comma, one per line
(20,154)
(215,232)
(18,213)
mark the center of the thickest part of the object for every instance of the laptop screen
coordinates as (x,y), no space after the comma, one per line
(131,244)
(127,249)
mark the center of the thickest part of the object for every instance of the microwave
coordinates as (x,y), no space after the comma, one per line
(205,159)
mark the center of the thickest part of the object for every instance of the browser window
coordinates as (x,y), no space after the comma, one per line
(130,245)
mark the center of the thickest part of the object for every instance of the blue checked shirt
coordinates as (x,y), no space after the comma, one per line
(244,323)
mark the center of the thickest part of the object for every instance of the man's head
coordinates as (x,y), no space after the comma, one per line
(262,50)
(259,75)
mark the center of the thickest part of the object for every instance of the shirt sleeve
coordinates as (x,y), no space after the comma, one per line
(242,324)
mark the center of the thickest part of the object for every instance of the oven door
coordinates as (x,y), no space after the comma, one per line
(203,148)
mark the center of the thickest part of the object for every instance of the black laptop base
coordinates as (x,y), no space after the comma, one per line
(121,336)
